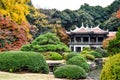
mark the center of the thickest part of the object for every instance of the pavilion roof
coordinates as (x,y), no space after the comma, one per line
(82,29)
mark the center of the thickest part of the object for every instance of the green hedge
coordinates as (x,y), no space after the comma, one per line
(102,51)
(70,55)
(111,69)
(80,61)
(15,61)
(88,56)
(96,54)
(70,72)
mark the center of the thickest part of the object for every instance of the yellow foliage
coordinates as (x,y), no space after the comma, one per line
(111,69)
(16,9)
(4,12)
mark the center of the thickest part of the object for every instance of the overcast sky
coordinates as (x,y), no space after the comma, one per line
(69,4)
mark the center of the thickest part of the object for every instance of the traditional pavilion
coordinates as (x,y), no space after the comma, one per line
(86,37)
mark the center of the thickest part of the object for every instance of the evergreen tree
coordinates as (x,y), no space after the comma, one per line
(46,42)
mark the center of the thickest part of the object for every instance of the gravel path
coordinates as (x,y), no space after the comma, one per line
(27,76)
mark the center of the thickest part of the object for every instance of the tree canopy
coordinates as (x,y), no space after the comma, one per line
(46,42)
(15,9)
(114,45)
(12,35)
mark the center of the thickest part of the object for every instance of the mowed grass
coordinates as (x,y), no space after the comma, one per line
(27,76)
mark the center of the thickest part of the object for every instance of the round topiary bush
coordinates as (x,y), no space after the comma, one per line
(80,61)
(88,57)
(111,69)
(70,72)
(52,56)
(96,54)
(16,61)
(70,55)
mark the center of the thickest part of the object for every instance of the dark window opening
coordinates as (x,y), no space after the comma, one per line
(78,49)
(72,48)
(78,39)
(93,39)
(72,39)
(100,39)
(85,39)
(93,48)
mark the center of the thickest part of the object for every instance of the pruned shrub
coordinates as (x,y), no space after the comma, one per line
(111,69)
(85,52)
(46,42)
(16,61)
(65,54)
(80,61)
(70,55)
(102,51)
(52,56)
(70,72)
(88,56)
(96,54)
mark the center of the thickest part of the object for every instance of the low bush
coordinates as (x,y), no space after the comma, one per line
(70,55)
(88,56)
(16,61)
(84,52)
(80,61)
(70,72)
(111,69)
(65,54)
(102,51)
(96,54)
(52,56)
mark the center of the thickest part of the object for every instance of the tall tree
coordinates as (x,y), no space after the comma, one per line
(114,45)
(113,7)
(112,23)
(15,9)
(12,35)
(97,12)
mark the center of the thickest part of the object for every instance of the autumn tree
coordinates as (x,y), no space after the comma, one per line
(107,40)
(114,45)
(61,33)
(12,35)
(15,9)
(118,14)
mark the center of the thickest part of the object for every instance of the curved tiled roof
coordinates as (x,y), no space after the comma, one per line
(82,29)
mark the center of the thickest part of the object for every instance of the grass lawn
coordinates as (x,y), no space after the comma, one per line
(27,76)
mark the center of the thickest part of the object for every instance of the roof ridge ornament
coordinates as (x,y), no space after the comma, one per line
(107,30)
(82,25)
(71,30)
(76,27)
(87,26)
(98,26)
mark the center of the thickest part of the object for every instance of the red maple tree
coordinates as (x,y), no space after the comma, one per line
(12,35)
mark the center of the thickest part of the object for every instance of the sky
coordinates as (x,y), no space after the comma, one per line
(68,4)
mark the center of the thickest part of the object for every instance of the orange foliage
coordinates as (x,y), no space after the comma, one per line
(61,32)
(111,36)
(12,35)
(118,14)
